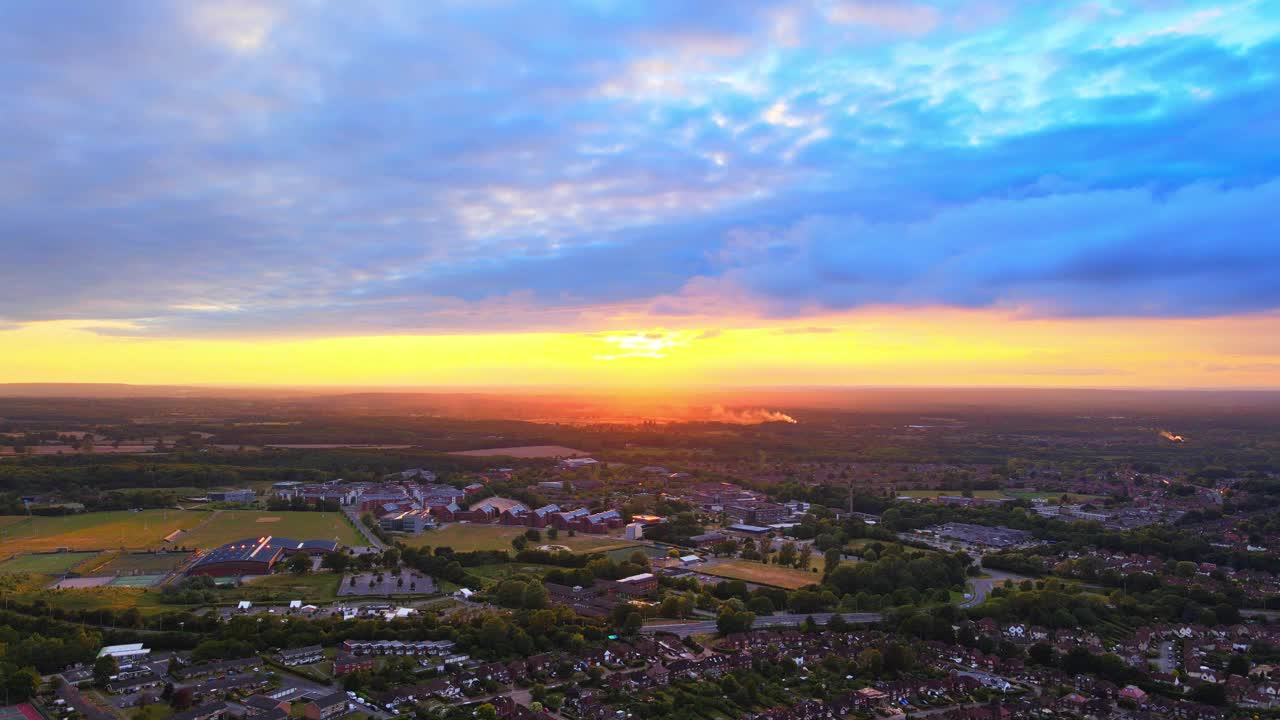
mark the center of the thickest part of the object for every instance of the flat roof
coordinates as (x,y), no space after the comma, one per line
(740,527)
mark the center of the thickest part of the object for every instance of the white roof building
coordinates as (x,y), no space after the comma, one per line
(130,650)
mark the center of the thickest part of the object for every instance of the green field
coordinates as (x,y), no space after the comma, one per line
(44,564)
(226,526)
(94,531)
(127,563)
(281,587)
(754,572)
(984,494)
(471,537)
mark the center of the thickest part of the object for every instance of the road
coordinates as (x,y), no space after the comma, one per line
(354,516)
(982,586)
(685,629)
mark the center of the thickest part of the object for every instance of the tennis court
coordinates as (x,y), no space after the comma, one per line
(136,580)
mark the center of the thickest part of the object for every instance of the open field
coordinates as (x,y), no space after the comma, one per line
(984,494)
(230,525)
(32,588)
(525,451)
(469,537)
(94,531)
(127,563)
(1071,497)
(315,587)
(753,572)
(44,564)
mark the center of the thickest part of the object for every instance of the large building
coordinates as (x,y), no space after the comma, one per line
(256,556)
(232,496)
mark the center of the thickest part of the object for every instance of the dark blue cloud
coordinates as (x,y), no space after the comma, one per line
(243,167)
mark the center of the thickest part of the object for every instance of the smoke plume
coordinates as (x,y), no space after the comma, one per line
(748,417)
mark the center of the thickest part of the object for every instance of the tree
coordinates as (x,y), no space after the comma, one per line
(105,668)
(336,562)
(552,533)
(761,605)
(535,596)
(519,542)
(533,535)
(830,560)
(299,564)
(632,624)
(734,618)
(20,684)
(806,557)
(486,712)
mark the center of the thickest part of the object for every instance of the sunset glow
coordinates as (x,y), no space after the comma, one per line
(926,347)
(601,194)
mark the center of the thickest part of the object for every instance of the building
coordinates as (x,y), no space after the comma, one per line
(256,556)
(232,496)
(769,513)
(326,707)
(634,531)
(258,706)
(345,663)
(301,656)
(638,585)
(414,522)
(132,652)
(207,711)
(745,529)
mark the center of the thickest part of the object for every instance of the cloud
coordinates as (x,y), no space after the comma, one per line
(247,168)
(899,17)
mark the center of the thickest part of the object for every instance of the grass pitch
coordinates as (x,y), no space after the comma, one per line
(93,531)
(224,526)
(754,572)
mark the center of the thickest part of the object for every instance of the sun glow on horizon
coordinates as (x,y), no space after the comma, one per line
(935,347)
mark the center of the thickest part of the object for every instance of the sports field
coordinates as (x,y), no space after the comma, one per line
(93,531)
(469,537)
(44,564)
(226,526)
(131,563)
(753,572)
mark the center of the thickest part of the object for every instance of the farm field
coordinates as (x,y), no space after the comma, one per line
(524,451)
(226,526)
(470,537)
(753,572)
(44,564)
(94,531)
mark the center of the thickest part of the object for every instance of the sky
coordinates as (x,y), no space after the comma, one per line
(606,193)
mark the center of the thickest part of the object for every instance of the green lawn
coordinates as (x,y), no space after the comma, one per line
(315,587)
(132,563)
(94,531)
(470,537)
(44,564)
(754,572)
(226,526)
